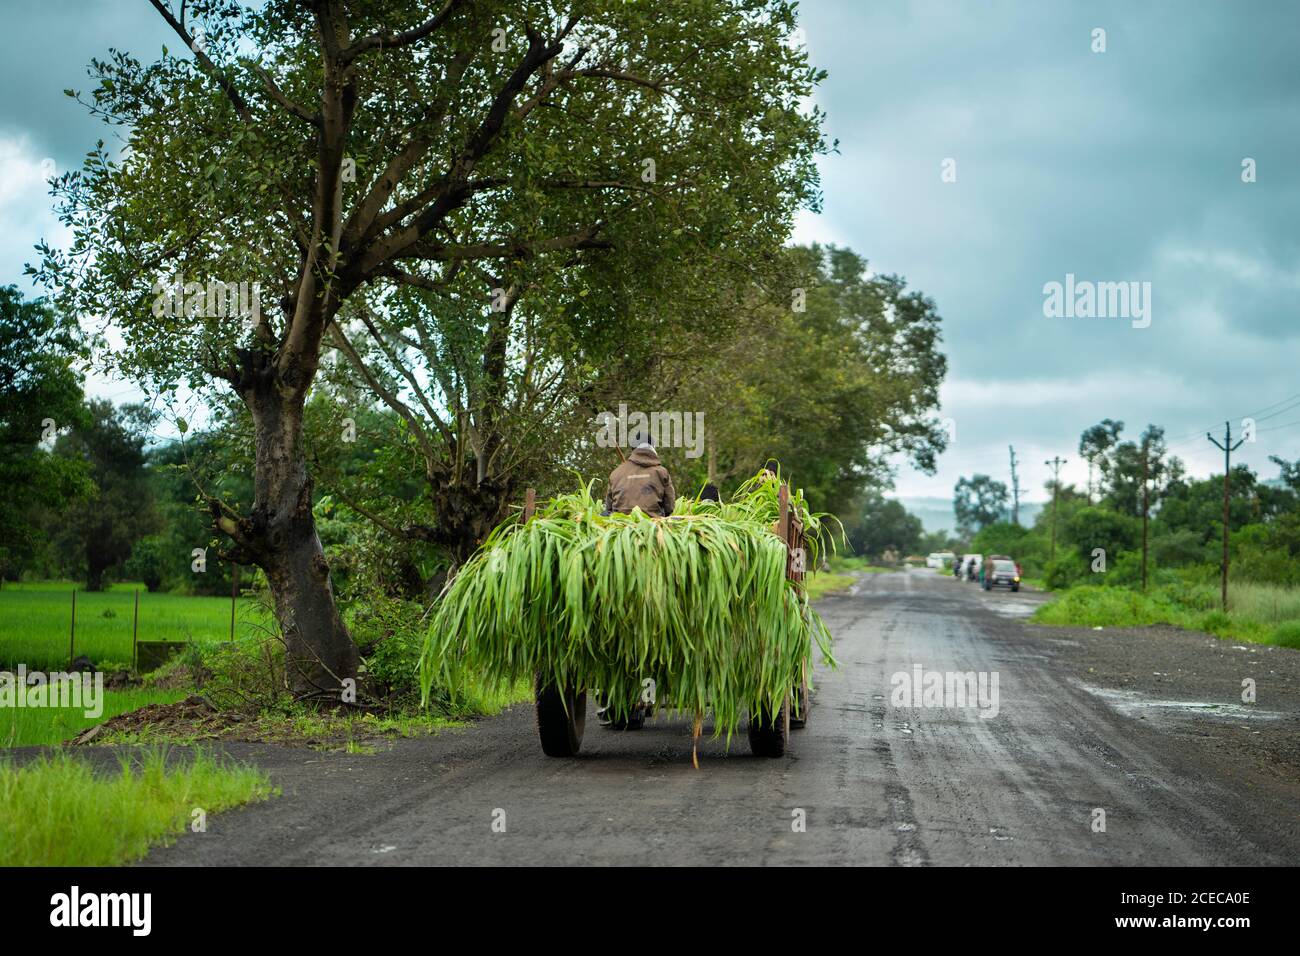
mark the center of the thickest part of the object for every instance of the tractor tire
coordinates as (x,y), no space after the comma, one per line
(769,733)
(561,719)
(802,700)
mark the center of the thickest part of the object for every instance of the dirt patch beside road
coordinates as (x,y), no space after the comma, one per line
(1188,686)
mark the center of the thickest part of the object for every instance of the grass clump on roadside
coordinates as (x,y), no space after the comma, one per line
(56,811)
(822,583)
(699,603)
(1248,619)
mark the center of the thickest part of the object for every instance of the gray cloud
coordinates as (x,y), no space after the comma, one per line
(1123,165)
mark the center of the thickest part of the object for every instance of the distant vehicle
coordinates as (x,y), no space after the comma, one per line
(940,559)
(1007,557)
(1001,573)
(970,566)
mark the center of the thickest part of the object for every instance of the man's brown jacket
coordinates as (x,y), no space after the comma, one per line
(641,482)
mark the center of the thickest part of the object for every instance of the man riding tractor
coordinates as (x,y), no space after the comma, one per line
(641,481)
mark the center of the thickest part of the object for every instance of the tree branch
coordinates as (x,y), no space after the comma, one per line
(205,61)
(392,41)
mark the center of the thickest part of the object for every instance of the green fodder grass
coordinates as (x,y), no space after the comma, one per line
(1259,613)
(47,726)
(698,603)
(56,811)
(35,621)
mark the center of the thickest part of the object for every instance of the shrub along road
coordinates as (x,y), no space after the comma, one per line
(1146,725)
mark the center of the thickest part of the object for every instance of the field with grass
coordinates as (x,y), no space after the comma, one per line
(35,621)
(56,811)
(1258,613)
(48,726)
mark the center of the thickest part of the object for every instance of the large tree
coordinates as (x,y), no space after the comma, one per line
(333,149)
(978,501)
(1130,463)
(833,371)
(1095,444)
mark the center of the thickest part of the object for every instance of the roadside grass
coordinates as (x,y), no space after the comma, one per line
(842,564)
(840,577)
(48,726)
(35,619)
(826,582)
(1261,614)
(56,811)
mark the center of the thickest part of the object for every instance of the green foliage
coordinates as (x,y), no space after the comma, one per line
(389,635)
(1090,528)
(1066,570)
(1095,606)
(147,563)
(1021,543)
(56,811)
(1259,613)
(39,389)
(1287,635)
(978,502)
(699,603)
(880,525)
(95,535)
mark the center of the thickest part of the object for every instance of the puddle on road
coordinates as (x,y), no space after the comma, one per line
(1013,608)
(1132,704)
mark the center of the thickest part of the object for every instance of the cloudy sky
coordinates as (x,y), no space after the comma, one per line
(1115,166)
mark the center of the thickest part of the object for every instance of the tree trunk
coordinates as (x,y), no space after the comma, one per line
(465,512)
(280,537)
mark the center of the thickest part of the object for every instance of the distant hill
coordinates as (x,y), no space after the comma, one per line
(936,513)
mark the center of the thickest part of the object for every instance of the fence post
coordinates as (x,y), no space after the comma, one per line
(135,634)
(72,631)
(234,592)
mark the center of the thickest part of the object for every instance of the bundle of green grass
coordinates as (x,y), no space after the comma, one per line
(699,603)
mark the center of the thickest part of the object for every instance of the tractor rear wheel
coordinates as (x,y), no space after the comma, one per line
(561,719)
(768,732)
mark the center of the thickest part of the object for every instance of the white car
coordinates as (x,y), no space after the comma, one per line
(940,559)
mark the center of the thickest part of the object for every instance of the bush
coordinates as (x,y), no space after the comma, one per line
(1216,623)
(1260,563)
(1287,635)
(1126,570)
(389,636)
(1092,528)
(1064,572)
(246,675)
(146,562)
(1091,606)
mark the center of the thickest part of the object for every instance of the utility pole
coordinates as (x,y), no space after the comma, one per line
(1056,464)
(1015,489)
(1227,448)
(1145,459)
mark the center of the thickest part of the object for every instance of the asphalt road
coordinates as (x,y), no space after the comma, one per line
(1146,726)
